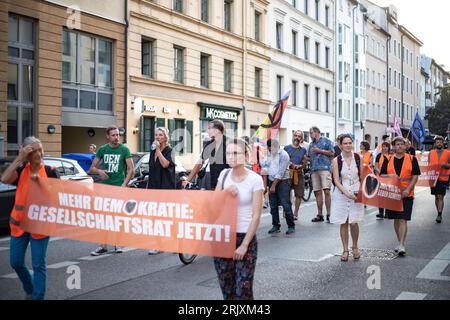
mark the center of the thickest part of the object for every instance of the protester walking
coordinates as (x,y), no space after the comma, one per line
(366,155)
(378,149)
(236,275)
(214,151)
(345,211)
(440,157)
(161,165)
(298,162)
(115,158)
(406,167)
(320,153)
(383,157)
(278,180)
(28,165)
(92,149)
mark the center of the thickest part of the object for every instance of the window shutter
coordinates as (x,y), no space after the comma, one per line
(160,122)
(190,136)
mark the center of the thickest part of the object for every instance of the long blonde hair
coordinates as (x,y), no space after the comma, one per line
(165,131)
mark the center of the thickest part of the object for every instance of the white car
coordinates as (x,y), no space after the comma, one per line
(68,169)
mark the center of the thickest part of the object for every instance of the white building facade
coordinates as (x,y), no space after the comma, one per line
(351,69)
(301,37)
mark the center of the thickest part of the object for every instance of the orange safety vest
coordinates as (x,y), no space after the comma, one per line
(406,173)
(19,205)
(366,158)
(381,162)
(444,174)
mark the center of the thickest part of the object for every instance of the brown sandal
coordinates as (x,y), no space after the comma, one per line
(344,257)
(356,256)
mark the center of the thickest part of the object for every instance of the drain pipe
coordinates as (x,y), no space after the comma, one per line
(125,99)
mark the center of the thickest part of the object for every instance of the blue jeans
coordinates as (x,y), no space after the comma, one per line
(18,247)
(282,197)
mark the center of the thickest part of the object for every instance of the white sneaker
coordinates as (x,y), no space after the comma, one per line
(99,251)
(397,248)
(153,252)
(117,249)
(401,251)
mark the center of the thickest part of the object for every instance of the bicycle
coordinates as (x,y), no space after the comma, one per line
(308,184)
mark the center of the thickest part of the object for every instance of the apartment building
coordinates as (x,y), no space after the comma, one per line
(301,37)
(191,62)
(62,72)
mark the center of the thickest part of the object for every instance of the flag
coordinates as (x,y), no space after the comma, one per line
(271,124)
(267,130)
(418,129)
(396,126)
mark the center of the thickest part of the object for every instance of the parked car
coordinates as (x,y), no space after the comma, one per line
(68,170)
(141,172)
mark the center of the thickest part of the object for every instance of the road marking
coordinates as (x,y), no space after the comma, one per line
(325,257)
(435,267)
(61,265)
(411,296)
(92,258)
(14,275)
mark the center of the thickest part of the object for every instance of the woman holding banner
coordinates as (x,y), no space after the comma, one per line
(345,210)
(161,165)
(28,165)
(236,274)
(383,157)
(406,167)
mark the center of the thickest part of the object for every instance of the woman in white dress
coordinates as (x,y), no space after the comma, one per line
(344,209)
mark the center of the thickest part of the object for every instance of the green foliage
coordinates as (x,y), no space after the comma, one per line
(439,116)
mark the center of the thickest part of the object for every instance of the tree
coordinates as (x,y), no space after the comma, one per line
(439,116)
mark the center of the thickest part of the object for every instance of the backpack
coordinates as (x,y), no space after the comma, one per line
(340,163)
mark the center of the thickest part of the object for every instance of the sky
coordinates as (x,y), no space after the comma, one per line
(429,21)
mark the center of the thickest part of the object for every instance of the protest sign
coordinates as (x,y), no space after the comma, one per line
(195,222)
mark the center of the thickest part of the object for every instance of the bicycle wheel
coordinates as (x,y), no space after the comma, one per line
(187,258)
(308,191)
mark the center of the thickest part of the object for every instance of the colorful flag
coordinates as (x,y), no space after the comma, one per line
(396,126)
(271,124)
(418,129)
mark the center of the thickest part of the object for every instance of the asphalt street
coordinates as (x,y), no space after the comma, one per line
(305,265)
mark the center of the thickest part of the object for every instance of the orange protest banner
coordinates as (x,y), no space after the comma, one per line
(429,175)
(195,222)
(380,191)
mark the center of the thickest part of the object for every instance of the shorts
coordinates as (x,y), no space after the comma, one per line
(440,188)
(407,211)
(299,189)
(321,180)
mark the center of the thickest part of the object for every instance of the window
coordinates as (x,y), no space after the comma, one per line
(390,76)
(327,101)
(390,106)
(327,16)
(294,93)
(306,48)
(357,112)
(279,87)
(340,111)
(306,96)
(147,133)
(294,42)
(279,31)
(178,5)
(205,10)
(395,47)
(227,14)
(204,70)
(147,57)
(294,3)
(21,81)
(306,7)
(317,9)
(327,57)
(87,72)
(317,99)
(178,64)
(257,26)
(177,129)
(395,78)
(340,38)
(258,78)
(317,53)
(228,67)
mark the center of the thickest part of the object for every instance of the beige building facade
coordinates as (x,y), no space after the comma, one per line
(61,73)
(190,62)
(404,73)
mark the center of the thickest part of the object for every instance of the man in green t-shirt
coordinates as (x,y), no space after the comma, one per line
(114,158)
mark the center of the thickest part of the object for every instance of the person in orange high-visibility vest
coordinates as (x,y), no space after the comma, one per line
(28,165)
(406,167)
(366,154)
(440,156)
(383,157)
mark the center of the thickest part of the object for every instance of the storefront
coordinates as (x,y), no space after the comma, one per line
(229,116)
